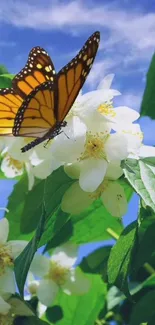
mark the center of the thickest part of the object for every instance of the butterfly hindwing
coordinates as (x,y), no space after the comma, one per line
(38,69)
(71,78)
(9,105)
(36,115)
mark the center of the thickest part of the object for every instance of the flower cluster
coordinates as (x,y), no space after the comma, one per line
(91,147)
(54,273)
(8,252)
(57,273)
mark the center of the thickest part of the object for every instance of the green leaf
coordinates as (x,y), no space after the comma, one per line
(3,70)
(148,102)
(149,160)
(15,206)
(55,187)
(19,306)
(143,309)
(121,255)
(23,261)
(83,309)
(142,179)
(146,248)
(32,210)
(96,261)
(6,81)
(93,224)
(29,321)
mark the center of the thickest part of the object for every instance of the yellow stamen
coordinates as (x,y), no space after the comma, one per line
(5,258)
(15,164)
(58,273)
(107,109)
(94,146)
(139,134)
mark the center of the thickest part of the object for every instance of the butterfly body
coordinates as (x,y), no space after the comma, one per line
(41,98)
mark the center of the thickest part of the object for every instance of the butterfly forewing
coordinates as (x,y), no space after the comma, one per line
(36,115)
(38,69)
(9,105)
(71,78)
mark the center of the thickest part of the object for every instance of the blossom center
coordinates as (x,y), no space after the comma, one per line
(94,146)
(15,164)
(58,273)
(102,187)
(107,109)
(5,259)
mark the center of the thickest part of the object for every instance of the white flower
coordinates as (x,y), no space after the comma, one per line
(58,273)
(14,162)
(85,106)
(8,252)
(93,150)
(75,200)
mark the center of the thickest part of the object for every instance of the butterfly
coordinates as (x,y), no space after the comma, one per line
(40,99)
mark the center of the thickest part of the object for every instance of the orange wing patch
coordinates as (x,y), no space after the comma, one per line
(9,105)
(38,69)
(71,78)
(36,115)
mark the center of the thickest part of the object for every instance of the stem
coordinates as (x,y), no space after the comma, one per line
(149,268)
(112,233)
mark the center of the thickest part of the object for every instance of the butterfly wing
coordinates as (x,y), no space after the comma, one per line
(36,115)
(9,105)
(71,78)
(44,109)
(38,69)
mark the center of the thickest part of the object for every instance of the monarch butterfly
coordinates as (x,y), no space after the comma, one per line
(40,99)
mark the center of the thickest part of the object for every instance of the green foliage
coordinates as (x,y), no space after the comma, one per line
(148,102)
(23,262)
(141,176)
(144,310)
(120,258)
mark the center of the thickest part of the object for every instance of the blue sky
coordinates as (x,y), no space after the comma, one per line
(61,27)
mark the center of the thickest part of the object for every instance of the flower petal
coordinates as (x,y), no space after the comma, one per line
(114,171)
(7,282)
(47,292)
(77,283)
(4,306)
(43,170)
(29,170)
(40,265)
(114,199)
(68,146)
(75,200)
(116,147)
(4,230)
(65,255)
(125,115)
(92,173)
(106,82)
(72,170)
(16,247)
